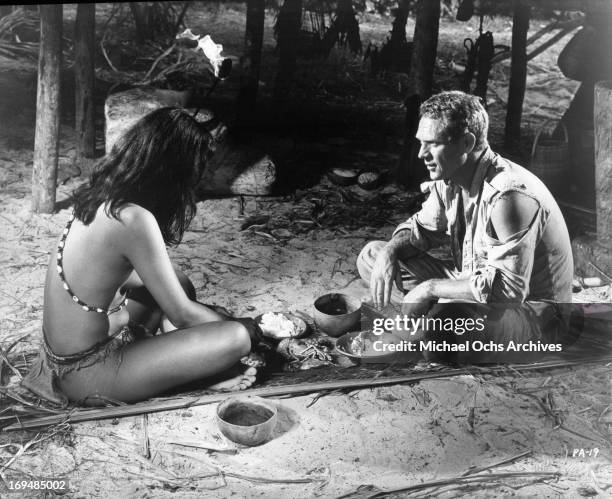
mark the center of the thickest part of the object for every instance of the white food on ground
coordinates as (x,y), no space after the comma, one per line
(345,172)
(276,325)
(361,345)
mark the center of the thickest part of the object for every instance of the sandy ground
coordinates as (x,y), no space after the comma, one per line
(387,437)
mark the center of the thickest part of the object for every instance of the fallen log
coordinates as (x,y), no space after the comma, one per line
(234,169)
(123,109)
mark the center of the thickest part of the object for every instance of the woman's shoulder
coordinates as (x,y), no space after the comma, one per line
(130,220)
(133,215)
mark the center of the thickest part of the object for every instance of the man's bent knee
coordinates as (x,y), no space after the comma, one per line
(367,257)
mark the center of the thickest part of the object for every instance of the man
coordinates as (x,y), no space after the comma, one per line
(507,235)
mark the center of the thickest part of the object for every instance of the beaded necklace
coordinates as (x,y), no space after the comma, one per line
(75,298)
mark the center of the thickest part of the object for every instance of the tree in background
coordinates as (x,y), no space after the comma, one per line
(287,32)
(46,136)
(84,76)
(344,29)
(411,170)
(251,60)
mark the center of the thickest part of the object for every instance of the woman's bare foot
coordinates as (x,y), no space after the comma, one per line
(236,383)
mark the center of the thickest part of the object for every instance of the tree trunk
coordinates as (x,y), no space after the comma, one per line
(46,137)
(411,170)
(425,47)
(518,72)
(398,29)
(84,76)
(140,12)
(253,40)
(603,161)
(288,36)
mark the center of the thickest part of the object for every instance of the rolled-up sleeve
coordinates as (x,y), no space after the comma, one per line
(428,226)
(506,275)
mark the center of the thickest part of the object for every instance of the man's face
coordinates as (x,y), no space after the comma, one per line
(442,157)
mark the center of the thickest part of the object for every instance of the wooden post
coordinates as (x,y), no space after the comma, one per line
(425,47)
(518,72)
(398,27)
(84,76)
(46,137)
(603,161)
(411,171)
(253,40)
(289,24)
(140,12)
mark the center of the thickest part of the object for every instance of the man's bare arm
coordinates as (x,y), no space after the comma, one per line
(400,247)
(422,297)
(513,213)
(454,289)
(385,271)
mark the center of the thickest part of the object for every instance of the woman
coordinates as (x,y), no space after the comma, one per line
(110,282)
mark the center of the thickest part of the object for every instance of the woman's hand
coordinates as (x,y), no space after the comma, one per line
(385,272)
(418,301)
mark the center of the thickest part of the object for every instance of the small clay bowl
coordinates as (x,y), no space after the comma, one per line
(337,313)
(246,420)
(343,176)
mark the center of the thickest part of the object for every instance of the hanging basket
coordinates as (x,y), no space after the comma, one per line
(550,160)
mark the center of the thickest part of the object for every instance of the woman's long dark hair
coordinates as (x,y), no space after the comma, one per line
(154,165)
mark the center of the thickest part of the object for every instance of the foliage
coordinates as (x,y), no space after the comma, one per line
(344,29)
(155,20)
(11,25)
(326,24)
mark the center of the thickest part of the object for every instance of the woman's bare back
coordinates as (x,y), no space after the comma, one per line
(95,272)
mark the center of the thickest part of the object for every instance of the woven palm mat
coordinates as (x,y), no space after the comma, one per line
(593,346)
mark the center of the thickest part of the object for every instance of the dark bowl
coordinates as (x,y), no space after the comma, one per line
(337,313)
(247,420)
(343,180)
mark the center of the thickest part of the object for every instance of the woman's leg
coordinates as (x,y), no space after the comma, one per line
(143,308)
(151,366)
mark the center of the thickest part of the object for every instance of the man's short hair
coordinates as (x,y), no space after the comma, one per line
(460,113)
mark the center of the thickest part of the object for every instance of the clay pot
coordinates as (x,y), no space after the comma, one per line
(246,420)
(337,313)
(343,176)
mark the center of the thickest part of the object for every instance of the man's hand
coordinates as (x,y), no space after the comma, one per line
(385,272)
(418,301)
